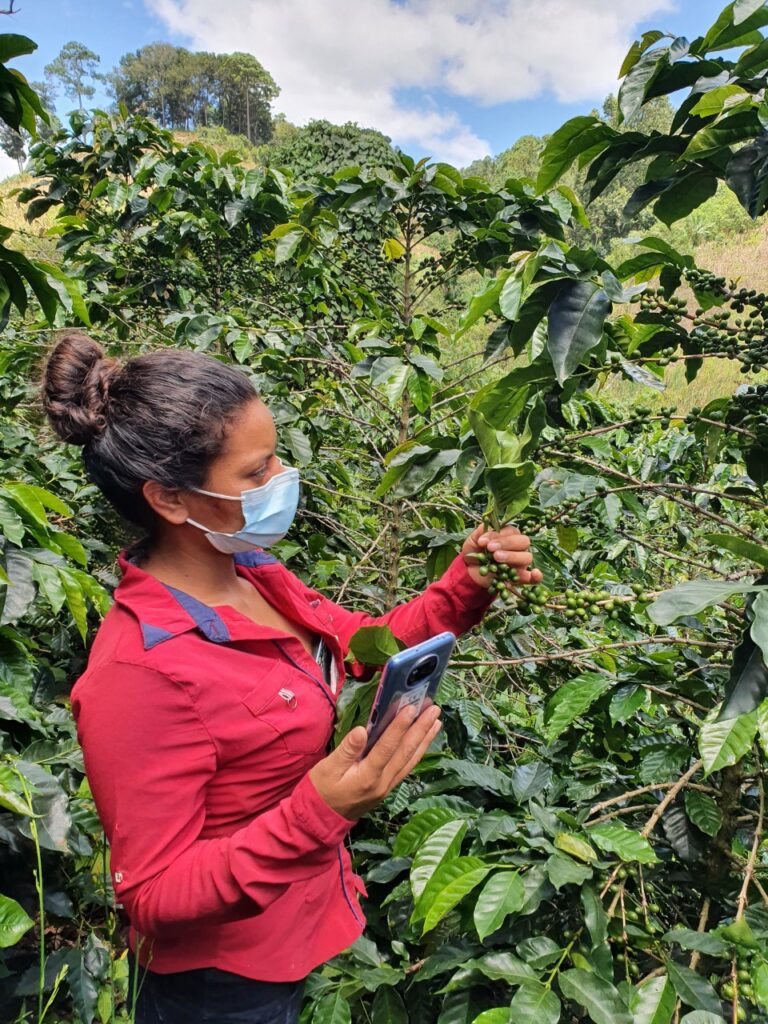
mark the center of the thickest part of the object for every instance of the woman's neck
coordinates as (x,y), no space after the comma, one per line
(210,576)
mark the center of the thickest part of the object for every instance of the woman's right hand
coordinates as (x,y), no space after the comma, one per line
(351,786)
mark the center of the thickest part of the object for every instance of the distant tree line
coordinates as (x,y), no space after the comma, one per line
(185,90)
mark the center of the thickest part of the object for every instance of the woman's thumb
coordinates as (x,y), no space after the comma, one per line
(353,744)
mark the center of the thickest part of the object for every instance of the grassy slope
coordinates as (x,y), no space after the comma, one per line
(742,258)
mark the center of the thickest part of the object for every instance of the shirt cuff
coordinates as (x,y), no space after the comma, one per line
(316,816)
(456,577)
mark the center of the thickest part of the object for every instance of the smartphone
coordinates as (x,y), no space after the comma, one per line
(410,677)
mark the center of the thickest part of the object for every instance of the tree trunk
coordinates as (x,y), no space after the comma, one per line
(397,504)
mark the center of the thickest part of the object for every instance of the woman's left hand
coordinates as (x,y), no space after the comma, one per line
(507,546)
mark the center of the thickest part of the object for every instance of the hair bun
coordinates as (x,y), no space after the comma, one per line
(76,386)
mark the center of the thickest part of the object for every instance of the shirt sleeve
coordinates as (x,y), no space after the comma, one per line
(454,603)
(149,759)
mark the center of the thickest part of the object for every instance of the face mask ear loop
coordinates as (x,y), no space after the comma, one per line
(199,526)
(214,494)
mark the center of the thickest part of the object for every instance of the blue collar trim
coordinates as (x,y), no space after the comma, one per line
(209,622)
(250,559)
(154,635)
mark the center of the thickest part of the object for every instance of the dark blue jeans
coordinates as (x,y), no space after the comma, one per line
(211,996)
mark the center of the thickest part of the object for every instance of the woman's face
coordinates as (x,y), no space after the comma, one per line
(247,460)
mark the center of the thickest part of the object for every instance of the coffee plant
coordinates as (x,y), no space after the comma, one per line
(585,839)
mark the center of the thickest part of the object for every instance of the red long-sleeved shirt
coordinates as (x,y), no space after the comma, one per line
(198,728)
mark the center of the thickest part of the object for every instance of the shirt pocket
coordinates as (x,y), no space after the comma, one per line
(295,709)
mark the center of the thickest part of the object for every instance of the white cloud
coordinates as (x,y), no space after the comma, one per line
(351,59)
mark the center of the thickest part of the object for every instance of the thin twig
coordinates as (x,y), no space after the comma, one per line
(752,859)
(702,927)
(671,796)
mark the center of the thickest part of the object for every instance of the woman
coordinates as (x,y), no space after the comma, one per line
(208,702)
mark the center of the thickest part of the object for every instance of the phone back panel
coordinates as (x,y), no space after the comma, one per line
(410,677)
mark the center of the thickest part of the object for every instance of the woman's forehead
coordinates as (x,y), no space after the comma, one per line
(252,433)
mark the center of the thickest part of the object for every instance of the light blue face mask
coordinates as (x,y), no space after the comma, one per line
(268,512)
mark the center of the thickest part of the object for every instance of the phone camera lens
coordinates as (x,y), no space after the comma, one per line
(422,670)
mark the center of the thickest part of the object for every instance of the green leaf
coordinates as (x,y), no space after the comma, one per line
(760,982)
(510,297)
(712,140)
(742,9)
(613,837)
(703,812)
(503,894)
(595,916)
(572,700)
(692,989)
(704,942)
(564,146)
(727,31)
(71,288)
(332,1009)
(388,1007)
(575,325)
(299,445)
(510,487)
(726,741)
(739,546)
(421,825)
(287,244)
(498,1015)
(685,196)
(374,645)
(393,249)
(712,102)
(441,845)
(14,920)
(12,45)
(637,49)
(481,302)
(762,725)
(634,88)
(534,1003)
(390,375)
(11,796)
(598,997)
(501,965)
(73,593)
(626,701)
(653,1002)
(747,175)
(450,883)
(576,846)
(564,870)
(739,933)
(702,1017)
(692,597)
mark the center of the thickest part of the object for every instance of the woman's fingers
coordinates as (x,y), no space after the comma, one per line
(419,752)
(399,742)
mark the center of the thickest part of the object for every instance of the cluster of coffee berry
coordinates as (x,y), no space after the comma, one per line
(746,989)
(530,601)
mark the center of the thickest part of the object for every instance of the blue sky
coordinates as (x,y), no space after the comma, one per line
(451,78)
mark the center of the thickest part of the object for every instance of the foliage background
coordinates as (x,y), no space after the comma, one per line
(584,842)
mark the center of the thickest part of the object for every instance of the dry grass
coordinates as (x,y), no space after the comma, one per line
(30,238)
(741,258)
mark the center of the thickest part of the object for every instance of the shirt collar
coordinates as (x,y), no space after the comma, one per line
(164,612)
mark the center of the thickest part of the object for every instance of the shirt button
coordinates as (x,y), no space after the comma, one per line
(118,877)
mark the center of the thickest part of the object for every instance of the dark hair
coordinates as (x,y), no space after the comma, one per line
(162,416)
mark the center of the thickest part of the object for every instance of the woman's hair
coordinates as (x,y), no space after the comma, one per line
(162,416)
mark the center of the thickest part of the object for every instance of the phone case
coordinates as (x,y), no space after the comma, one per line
(410,677)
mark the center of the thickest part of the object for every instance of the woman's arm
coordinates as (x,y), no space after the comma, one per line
(455,602)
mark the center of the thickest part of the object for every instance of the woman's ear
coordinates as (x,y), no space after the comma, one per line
(167,502)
